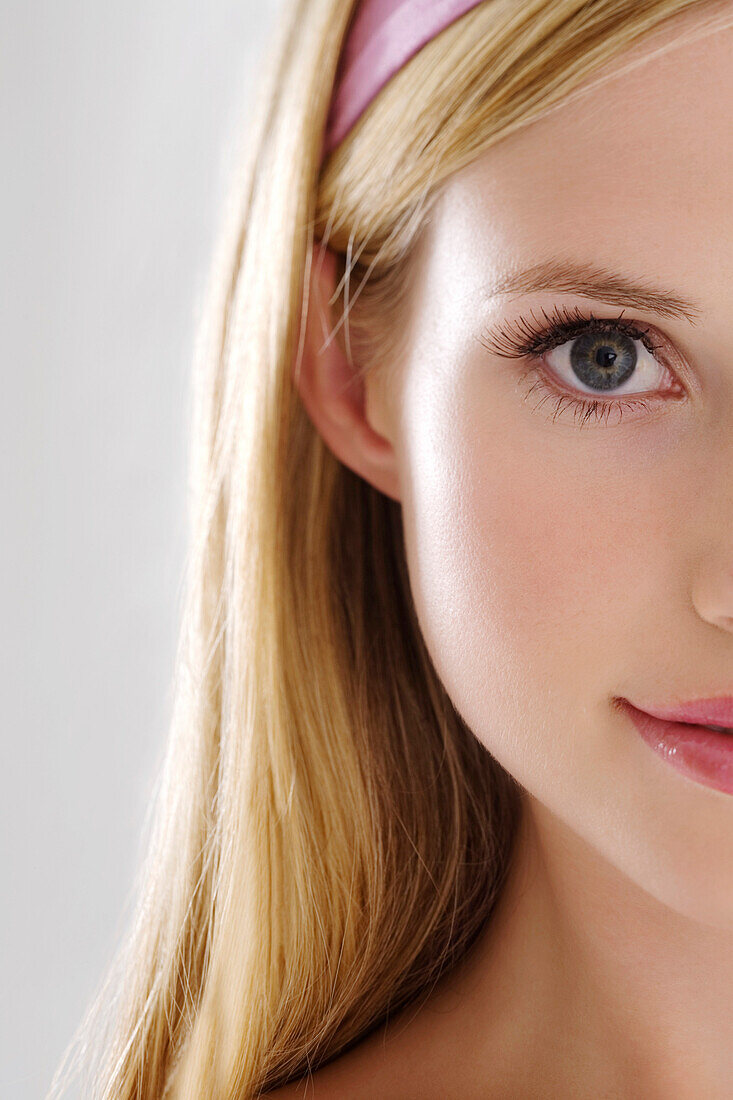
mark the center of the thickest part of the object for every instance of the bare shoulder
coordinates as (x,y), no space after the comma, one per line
(428,1053)
(392,1063)
(362,1073)
(455,1041)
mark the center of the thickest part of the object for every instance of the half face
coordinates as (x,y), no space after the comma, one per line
(567,493)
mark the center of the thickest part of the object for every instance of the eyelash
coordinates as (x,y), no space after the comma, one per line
(524,339)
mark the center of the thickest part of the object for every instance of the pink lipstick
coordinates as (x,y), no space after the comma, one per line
(680,735)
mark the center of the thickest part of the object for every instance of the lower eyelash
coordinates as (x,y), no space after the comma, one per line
(583,409)
(533,338)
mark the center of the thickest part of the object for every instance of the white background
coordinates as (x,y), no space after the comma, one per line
(117,126)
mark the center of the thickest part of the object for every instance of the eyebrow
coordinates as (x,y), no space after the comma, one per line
(595,282)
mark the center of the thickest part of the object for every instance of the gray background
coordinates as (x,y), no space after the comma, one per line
(119,123)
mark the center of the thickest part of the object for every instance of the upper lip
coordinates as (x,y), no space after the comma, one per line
(717,711)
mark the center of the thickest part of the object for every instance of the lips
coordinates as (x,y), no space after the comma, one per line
(717,711)
(691,747)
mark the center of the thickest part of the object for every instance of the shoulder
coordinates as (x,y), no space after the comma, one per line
(425,1053)
(454,1042)
(390,1063)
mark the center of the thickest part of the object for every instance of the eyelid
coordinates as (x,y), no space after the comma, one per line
(670,381)
(585,408)
(531,341)
(522,337)
(513,338)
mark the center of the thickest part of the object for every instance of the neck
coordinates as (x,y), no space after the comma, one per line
(613,986)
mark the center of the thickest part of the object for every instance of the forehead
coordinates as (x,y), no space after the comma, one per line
(636,172)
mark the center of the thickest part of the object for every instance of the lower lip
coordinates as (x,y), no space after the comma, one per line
(701,754)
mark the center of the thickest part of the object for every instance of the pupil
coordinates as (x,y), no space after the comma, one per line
(605,357)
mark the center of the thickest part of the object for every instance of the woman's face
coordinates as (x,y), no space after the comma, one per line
(561,558)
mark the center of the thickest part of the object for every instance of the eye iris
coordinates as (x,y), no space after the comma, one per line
(603,360)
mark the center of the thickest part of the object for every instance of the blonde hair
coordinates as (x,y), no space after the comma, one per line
(328,835)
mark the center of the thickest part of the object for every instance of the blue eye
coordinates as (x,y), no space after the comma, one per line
(606,361)
(603,360)
(574,353)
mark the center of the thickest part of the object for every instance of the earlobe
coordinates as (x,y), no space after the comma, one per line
(332,391)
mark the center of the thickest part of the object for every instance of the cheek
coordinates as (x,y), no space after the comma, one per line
(548,574)
(523,572)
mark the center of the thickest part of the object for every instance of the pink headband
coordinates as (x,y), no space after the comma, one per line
(383,36)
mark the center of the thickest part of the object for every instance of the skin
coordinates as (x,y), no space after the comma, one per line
(556,567)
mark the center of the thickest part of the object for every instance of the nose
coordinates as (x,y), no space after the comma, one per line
(713,593)
(712,590)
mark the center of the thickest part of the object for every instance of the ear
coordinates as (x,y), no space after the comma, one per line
(332,391)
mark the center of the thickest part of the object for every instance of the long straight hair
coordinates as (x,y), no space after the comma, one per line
(327,836)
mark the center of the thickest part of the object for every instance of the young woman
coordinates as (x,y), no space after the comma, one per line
(447,808)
